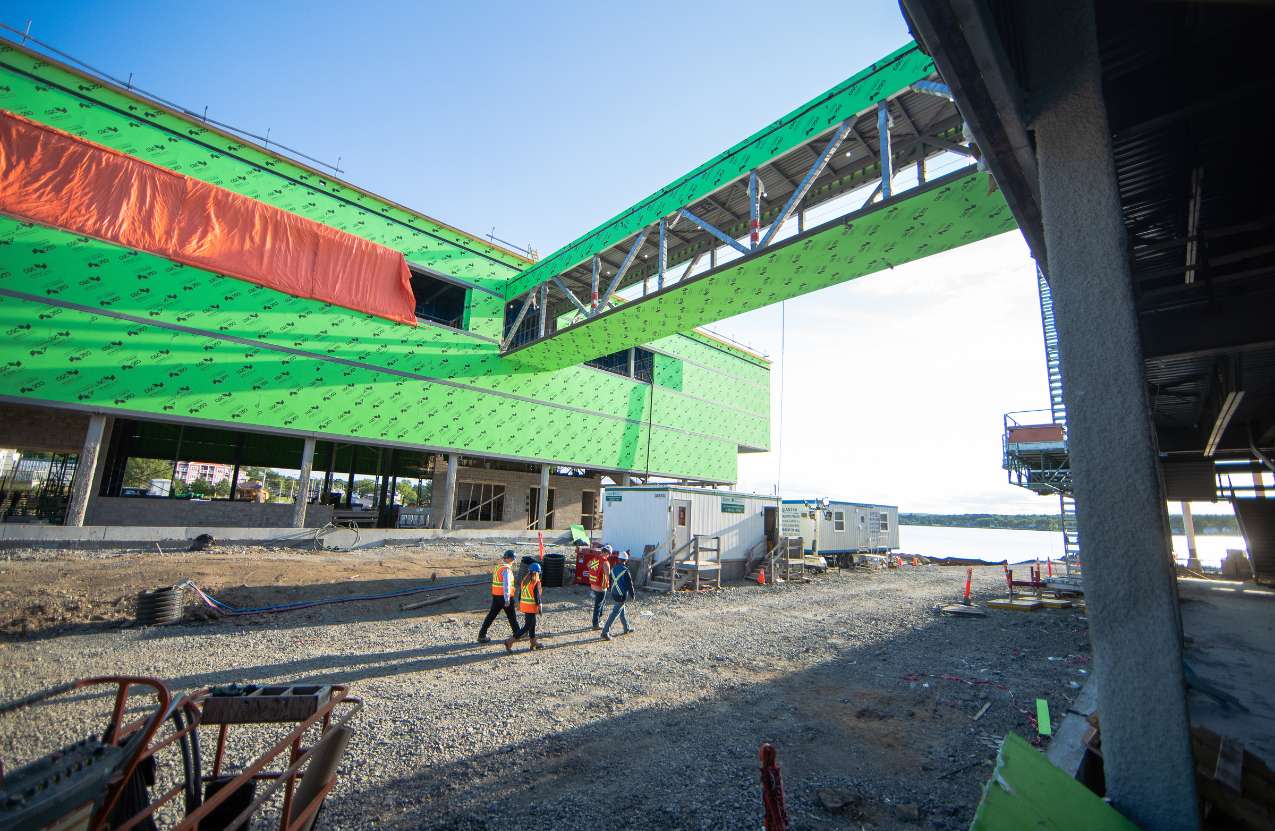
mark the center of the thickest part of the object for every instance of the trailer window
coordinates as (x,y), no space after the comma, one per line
(681,516)
(885,522)
(839,521)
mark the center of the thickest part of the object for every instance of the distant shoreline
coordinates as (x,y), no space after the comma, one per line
(1208,524)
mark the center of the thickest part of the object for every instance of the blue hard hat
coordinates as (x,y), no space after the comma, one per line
(534,568)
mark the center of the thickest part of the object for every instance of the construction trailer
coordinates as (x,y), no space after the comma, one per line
(733,525)
(840,529)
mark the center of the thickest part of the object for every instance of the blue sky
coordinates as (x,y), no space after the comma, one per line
(541,120)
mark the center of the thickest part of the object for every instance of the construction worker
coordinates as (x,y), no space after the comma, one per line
(502,596)
(599,582)
(621,591)
(529,602)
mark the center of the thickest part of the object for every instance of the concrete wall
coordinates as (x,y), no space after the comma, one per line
(122,510)
(44,429)
(89,536)
(567,492)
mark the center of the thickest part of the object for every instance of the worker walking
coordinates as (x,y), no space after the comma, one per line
(621,591)
(529,602)
(599,582)
(502,596)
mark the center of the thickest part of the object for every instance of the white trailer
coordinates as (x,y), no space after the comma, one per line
(840,529)
(640,515)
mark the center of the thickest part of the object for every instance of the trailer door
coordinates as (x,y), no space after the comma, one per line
(681,522)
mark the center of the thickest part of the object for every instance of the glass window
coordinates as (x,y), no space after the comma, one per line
(839,521)
(885,521)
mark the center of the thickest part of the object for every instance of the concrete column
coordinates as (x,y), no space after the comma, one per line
(446,512)
(85,471)
(1188,527)
(624,480)
(303,484)
(1134,624)
(542,506)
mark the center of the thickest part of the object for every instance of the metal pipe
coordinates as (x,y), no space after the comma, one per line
(754,211)
(661,256)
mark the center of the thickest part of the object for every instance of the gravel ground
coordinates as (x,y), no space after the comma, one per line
(868,695)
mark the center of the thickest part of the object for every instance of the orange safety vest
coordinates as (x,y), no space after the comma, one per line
(599,575)
(498,579)
(528,604)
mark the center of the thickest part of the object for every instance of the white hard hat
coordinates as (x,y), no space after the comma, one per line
(623,555)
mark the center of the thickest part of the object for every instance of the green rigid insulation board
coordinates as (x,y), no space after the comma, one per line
(86,359)
(60,266)
(36,88)
(1027,791)
(944,214)
(856,94)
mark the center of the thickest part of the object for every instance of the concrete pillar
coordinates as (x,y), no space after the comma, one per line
(624,480)
(542,506)
(1130,587)
(303,484)
(85,471)
(446,512)
(1188,528)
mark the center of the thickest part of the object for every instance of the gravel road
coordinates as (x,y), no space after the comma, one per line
(868,695)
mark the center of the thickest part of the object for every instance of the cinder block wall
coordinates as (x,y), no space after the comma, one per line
(567,496)
(122,510)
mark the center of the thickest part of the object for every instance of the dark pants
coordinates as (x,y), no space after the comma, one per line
(599,597)
(616,611)
(528,626)
(498,603)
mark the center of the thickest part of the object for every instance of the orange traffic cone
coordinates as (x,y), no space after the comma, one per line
(761,577)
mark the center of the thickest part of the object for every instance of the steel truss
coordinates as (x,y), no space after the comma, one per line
(682,238)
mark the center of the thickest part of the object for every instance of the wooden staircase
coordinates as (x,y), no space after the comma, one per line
(695,565)
(784,561)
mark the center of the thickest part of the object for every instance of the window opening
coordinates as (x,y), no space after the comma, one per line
(438,300)
(480,502)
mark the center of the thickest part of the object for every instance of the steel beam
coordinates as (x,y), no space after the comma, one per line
(509,336)
(717,232)
(934,88)
(619,273)
(809,179)
(887,165)
(571,295)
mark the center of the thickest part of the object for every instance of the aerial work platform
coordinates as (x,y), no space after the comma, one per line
(807,202)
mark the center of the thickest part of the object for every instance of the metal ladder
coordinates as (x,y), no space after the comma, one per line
(1058,411)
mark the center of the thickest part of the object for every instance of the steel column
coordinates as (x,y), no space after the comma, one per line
(754,211)
(544,310)
(887,160)
(593,283)
(661,256)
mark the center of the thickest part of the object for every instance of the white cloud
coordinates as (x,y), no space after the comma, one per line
(896,383)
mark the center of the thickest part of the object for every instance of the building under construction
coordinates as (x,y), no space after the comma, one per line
(187,356)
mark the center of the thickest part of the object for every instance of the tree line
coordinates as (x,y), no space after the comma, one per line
(1204,523)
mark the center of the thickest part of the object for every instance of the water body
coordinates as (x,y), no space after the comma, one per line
(994,545)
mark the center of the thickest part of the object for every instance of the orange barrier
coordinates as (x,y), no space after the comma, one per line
(56,179)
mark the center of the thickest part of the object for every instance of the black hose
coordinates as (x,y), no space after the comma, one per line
(156,607)
(190,763)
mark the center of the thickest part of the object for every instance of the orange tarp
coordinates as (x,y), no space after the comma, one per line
(56,179)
